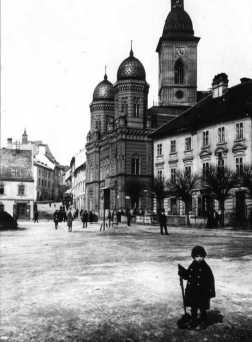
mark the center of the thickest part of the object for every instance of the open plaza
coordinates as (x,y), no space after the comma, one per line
(118,285)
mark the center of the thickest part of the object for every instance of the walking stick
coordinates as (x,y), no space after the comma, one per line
(183,293)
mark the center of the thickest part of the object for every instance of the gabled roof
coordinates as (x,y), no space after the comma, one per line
(234,104)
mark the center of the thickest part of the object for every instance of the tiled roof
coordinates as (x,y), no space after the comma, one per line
(236,103)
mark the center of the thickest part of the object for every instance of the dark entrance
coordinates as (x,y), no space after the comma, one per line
(22,211)
(240,206)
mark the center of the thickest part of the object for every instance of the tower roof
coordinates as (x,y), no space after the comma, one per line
(104,91)
(131,68)
(178,24)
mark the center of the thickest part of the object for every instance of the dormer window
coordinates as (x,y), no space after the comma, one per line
(179,72)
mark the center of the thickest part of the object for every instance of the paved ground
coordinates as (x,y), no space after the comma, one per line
(117,286)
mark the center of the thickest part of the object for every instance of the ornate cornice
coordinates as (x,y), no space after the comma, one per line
(137,86)
(221,148)
(205,152)
(239,146)
(98,106)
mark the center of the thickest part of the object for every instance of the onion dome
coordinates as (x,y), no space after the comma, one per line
(178,23)
(104,91)
(131,68)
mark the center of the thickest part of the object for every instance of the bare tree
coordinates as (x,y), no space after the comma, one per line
(158,187)
(182,187)
(220,182)
(247,179)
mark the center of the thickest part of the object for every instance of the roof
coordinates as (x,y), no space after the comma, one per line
(131,68)
(235,103)
(104,91)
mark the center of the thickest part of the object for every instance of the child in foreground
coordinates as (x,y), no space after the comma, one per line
(200,287)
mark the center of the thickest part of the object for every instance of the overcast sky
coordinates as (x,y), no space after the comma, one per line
(54,52)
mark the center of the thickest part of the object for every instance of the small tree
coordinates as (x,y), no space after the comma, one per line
(247,179)
(247,183)
(133,188)
(181,187)
(220,182)
(158,187)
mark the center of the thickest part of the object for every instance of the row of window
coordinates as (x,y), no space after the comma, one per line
(20,189)
(44,182)
(44,173)
(239,162)
(205,139)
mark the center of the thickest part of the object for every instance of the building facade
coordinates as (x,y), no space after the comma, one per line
(47,172)
(78,180)
(17,182)
(119,152)
(217,131)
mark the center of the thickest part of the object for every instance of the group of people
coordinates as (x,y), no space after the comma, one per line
(70,215)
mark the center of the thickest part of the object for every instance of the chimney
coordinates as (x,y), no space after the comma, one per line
(219,85)
(245,80)
(9,142)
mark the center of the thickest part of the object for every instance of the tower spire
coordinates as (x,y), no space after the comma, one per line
(105,75)
(177,4)
(131,49)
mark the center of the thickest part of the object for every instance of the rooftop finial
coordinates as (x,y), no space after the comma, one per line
(131,49)
(177,4)
(105,76)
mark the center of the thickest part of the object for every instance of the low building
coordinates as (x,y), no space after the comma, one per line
(17,182)
(217,129)
(47,172)
(76,180)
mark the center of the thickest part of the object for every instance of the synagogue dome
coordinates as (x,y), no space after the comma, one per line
(131,68)
(104,91)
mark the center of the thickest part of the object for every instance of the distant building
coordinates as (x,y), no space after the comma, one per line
(78,180)
(47,172)
(216,131)
(17,182)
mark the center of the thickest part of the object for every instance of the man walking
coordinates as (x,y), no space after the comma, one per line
(84,218)
(70,221)
(162,222)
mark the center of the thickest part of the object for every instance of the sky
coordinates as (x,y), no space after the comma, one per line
(54,52)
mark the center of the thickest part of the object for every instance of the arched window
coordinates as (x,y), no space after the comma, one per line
(179,72)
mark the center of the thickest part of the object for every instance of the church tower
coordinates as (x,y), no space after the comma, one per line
(177,50)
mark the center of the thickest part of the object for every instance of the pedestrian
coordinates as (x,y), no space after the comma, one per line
(36,216)
(90,216)
(128,215)
(118,216)
(70,221)
(56,218)
(200,287)
(109,218)
(163,223)
(84,218)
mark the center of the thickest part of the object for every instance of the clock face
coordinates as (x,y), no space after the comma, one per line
(180,51)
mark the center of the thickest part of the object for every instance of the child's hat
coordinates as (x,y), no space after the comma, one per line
(198,251)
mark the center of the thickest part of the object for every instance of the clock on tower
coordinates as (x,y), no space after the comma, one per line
(177,4)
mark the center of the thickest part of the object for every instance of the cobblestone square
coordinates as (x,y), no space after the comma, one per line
(117,285)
